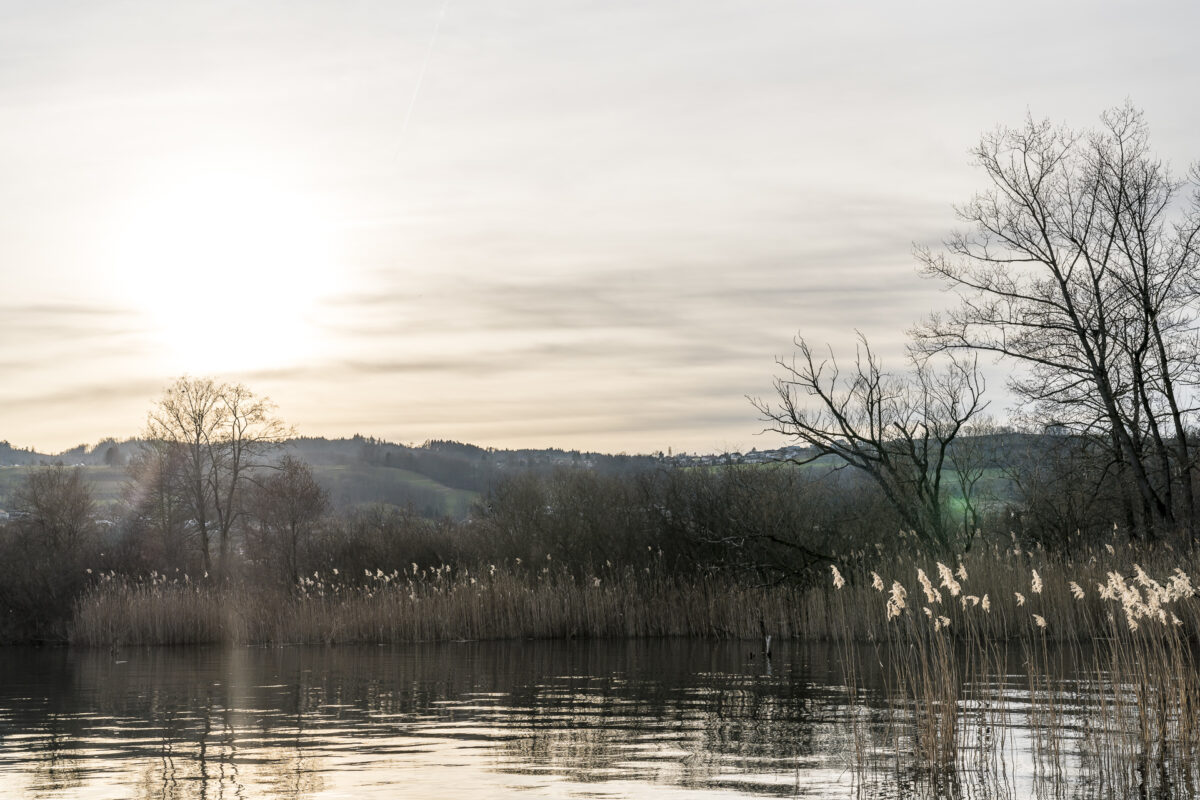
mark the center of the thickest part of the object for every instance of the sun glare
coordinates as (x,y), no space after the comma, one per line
(229,271)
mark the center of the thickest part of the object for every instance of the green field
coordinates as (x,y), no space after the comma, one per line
(362,485)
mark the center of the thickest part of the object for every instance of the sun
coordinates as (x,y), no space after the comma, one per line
(229,271)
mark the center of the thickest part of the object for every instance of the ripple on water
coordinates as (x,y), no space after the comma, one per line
(564,719)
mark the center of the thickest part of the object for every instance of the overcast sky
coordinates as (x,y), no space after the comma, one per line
(578,224)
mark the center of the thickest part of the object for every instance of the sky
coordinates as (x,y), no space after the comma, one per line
(588,225)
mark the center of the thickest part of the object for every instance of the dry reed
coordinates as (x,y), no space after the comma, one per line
(1123,623)
(432,604)
(1122,620)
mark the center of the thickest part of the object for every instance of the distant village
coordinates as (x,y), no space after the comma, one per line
(755,456)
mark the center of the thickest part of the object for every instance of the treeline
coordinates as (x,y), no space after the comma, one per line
(217,496)
(745,525)
(456,464)
(449,464)
(762,524)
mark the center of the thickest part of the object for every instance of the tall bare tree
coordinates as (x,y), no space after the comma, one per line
(287,507)
(1079,263)
(225,432)
(894,428)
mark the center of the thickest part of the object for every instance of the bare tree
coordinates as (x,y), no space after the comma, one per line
(56,506)
(187,418)
(225,432)
(1063,485)
(1079,264)
(894,428)
(157,496)
(287,508)
(249,432)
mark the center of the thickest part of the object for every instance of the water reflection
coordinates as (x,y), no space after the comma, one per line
(561,719)
(618,719)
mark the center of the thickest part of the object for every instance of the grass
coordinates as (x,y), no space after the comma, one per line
(391,485)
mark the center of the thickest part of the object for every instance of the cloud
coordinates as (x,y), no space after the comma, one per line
(64,320)
(54,344)
(40,310)
(73,396)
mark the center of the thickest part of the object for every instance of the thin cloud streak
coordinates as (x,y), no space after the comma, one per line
(41,310)
(90,392)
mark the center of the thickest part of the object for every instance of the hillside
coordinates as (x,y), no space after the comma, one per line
(444,478)
(437,478)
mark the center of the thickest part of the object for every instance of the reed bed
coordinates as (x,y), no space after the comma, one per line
(1105,638)
(429,604)
(992,595)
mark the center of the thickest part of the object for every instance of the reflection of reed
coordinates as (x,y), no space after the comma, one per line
(268,722)
(1093,720)
(1135,730)
(58,763)
(190,724)
(170,724)
(690,734)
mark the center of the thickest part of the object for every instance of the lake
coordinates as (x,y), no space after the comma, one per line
(624,719)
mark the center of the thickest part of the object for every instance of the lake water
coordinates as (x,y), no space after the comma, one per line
(656,719)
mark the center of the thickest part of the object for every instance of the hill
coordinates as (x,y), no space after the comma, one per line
(444,478)
(437,478)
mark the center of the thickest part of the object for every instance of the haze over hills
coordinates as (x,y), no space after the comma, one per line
(439,457)
(441,477)
(435,478)
(323,451)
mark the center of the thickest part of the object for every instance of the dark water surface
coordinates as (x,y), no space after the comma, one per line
(472,720)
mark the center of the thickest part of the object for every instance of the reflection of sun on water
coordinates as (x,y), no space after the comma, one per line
(229,271)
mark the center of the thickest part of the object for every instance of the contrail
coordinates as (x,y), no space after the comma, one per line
(437,26)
